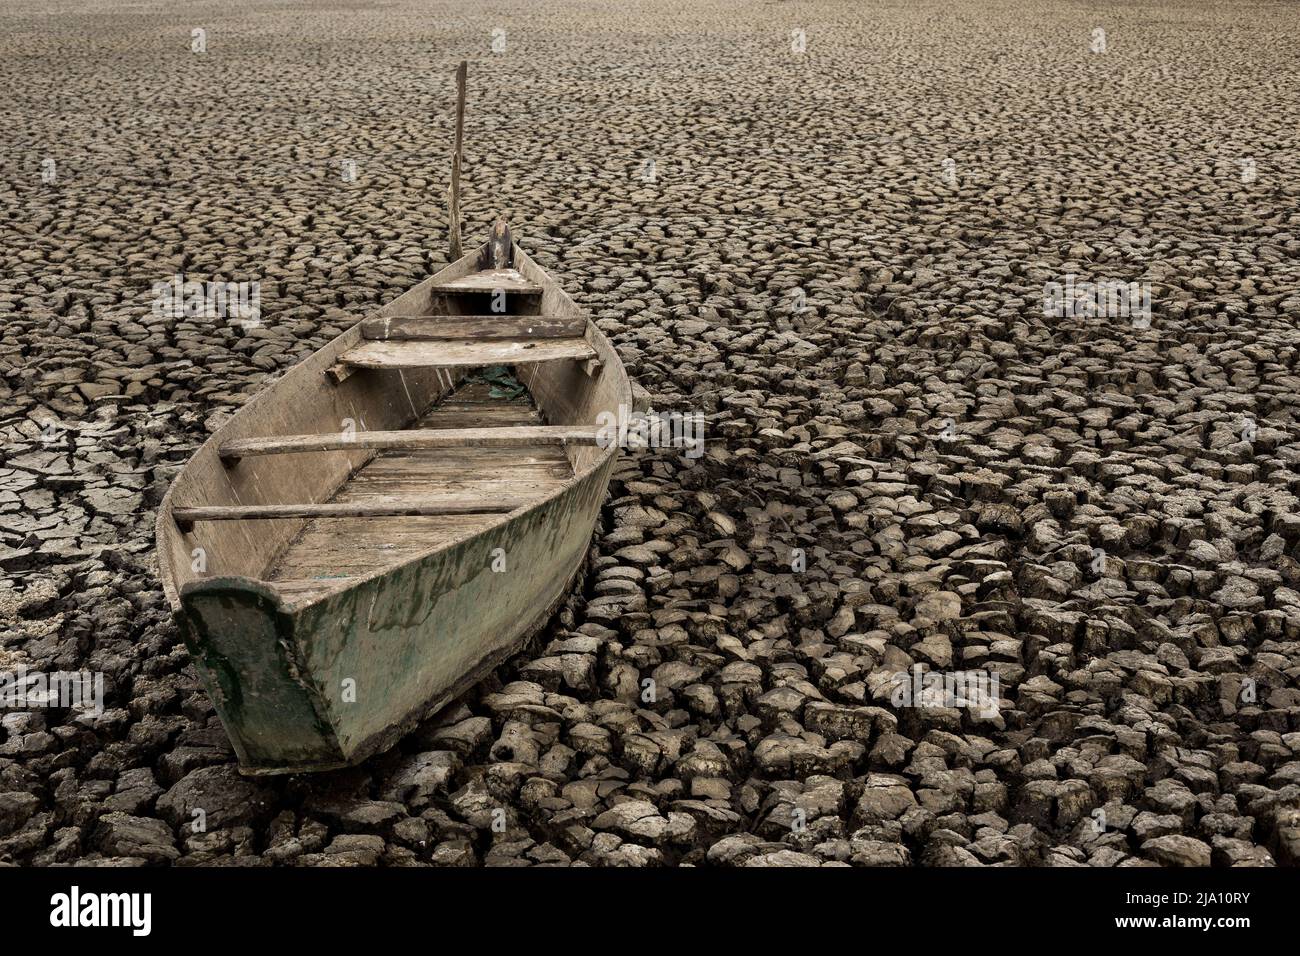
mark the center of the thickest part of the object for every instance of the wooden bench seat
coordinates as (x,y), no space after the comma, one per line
(376,506)
(412,439)
(465,353)
(441,328)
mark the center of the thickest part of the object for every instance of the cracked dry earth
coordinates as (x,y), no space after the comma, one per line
(1104,515)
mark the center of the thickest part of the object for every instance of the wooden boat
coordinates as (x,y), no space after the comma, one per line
(375,531)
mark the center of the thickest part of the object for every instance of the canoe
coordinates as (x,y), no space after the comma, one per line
(376,530)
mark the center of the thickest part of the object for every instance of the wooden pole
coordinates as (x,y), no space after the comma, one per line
(456,160)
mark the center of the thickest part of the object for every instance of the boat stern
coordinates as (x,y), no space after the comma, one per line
(243,644)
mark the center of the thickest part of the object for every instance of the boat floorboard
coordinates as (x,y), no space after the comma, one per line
(330,549)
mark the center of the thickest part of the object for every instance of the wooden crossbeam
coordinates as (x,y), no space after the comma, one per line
(488,282)
(411,440)
(462,353)
(185,517)
(434,328)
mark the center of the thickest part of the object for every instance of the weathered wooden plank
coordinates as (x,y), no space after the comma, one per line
(464,353)
(373,507)
(510,281)
(331,547)
(424,438)
(435,328)
(477,418)
(405,481)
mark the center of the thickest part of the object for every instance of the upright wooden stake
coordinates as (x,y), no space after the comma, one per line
(455,161)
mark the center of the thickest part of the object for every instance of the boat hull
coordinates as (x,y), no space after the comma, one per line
(320,651)
(326,685)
